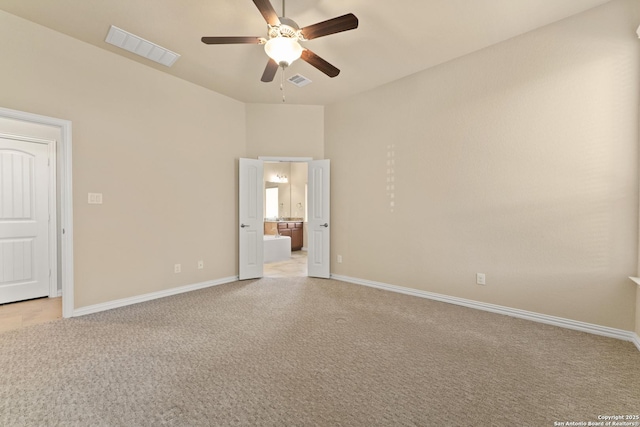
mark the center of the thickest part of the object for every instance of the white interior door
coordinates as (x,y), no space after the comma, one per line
(319,255)
(24,220)
(251,242)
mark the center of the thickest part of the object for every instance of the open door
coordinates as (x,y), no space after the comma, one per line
(25,271)
(318,219)
(251,242)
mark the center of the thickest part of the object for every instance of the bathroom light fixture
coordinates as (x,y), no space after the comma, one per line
(280,179)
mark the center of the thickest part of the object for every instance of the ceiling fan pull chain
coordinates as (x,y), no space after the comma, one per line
(282,84)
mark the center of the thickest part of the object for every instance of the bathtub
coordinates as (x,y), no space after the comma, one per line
(276,248)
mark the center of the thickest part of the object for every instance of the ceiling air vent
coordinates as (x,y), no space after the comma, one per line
(140,46)
(299,80)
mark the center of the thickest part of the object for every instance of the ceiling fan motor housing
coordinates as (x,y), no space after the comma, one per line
(287,28)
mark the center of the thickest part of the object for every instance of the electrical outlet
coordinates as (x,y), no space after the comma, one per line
(480,279)
(200,265)
(339,259)
(177,268)
(95,198)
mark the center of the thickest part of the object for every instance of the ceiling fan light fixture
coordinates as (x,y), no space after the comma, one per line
(283,50)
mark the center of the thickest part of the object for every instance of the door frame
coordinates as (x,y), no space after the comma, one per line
(52,209)
(63,159)
(290,160)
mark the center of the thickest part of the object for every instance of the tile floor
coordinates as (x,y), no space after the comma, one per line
(294,267)
(18,315)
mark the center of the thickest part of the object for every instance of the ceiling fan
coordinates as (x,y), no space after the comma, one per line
(282,45)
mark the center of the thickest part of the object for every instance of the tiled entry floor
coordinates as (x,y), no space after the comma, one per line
(18,315)
(296,266)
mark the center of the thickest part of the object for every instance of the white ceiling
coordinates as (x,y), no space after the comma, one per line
(394,39)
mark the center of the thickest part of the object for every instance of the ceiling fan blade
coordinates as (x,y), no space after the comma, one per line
(269,71)
(231,40)
(319,63)
(267,11)
(336,25)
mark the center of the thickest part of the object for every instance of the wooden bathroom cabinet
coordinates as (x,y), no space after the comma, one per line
(293,230)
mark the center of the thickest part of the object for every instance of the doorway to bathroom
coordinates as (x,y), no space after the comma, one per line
(285,218)
(273,245)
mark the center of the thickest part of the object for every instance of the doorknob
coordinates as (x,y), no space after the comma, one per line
(244,225)
(324,225)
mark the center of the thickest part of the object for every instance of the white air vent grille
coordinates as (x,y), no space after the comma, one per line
(140,46)
(299,80)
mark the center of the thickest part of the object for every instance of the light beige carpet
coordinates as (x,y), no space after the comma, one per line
(302,351)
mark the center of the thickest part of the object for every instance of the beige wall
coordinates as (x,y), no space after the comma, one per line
(518,161)
(298,183)
(162,151)
(285,130)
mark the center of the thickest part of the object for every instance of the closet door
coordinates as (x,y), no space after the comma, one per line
(24,220)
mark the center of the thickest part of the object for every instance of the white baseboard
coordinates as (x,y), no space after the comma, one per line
(636,340)
(148,297)
(514,312)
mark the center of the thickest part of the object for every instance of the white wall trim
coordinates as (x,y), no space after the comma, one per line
(66,198)
(513,312)
(96,308)
(636,340)
(26,138)
(285,159)
(636,280)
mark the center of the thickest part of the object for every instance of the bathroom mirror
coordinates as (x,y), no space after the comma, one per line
(290,178)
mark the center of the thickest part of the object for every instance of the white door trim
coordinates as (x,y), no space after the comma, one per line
(52,195)
(285,159)
(63,151)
